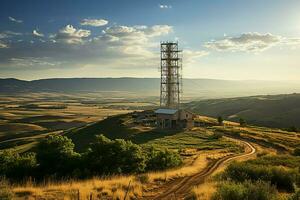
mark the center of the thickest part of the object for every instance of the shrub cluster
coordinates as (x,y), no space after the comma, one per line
(283,179)
(220,120)
(278,160)
(297,151)
(16,166)
(292,129)
(163,159)
(260,179)
(5,191)
(107,156)
(245,190)
(295,196)
(216,135)
(242,122)
(55,157)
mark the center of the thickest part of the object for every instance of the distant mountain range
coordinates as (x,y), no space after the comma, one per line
(282,111)
(200,88)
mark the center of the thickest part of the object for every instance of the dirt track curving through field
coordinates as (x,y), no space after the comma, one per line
(180,188)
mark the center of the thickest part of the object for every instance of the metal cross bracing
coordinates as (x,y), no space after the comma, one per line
(171,80)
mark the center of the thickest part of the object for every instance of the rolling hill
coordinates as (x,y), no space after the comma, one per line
(197,88)
(280,111)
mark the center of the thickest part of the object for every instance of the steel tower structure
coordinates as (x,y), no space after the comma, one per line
(171,78)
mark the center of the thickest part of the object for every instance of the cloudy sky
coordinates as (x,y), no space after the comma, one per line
(221,39)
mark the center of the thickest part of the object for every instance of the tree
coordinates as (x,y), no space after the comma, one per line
(162,159)
(15,166)
(56,155)
(242,122)
(115,156)
(220,120)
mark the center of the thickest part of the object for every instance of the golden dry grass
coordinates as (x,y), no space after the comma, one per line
(204,191)
(18,121)
(19,127)
(210,120)
(115,187)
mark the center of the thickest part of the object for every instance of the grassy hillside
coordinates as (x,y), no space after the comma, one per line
(200,138)
(119,127)
(199,147)
(199,88)
(280,111)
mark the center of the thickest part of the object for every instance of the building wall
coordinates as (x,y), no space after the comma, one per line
(186,115)
(182,119)
(167,121)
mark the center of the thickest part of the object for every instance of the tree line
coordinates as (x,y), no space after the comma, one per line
(54,157)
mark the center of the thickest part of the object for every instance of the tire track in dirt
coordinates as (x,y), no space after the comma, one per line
(180,188)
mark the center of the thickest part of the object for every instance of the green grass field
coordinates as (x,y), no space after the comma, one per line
(117,127)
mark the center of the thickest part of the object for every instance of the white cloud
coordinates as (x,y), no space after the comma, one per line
(71,35)
(191,55)
(163,6)
(37,34)
(3,35)
(158,30)
(15,20)
(128,47)
(33,62)
(137,34)
(134,40)
(291,41)
(94,22)
(8,34)
(250,42)
(3,45)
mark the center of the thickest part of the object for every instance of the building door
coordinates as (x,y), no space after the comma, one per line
(173,124)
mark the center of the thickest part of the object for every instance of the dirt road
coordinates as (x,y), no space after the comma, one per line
(180,188)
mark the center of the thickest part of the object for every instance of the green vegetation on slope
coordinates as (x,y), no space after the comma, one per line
(281,111)
(283,141)
(116,127)
(260,179)
(245,190)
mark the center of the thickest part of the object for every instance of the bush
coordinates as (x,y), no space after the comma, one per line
(245,190)
(280,177)
(297,151)
(295,196)
(217,135)
(143,178)
(162,159)
(56,156)
(278,160)
(293,129)
(242,122)
(220,120)
(5,191)
(15,166)
(115,156)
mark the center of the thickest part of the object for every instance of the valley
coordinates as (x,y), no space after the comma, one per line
(205,150)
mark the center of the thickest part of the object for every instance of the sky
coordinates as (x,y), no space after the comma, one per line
(220,39)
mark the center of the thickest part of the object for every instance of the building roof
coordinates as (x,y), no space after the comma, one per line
(166,111)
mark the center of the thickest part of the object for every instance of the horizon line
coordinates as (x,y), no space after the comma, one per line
(123,77)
